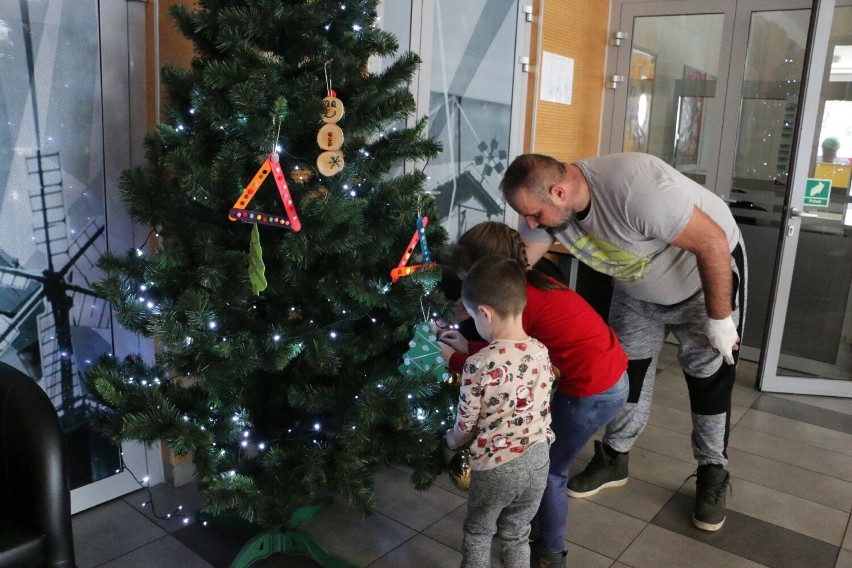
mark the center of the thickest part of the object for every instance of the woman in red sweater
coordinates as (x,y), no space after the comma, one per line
(591,385)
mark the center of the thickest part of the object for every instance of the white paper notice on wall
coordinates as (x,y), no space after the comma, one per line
(557,78)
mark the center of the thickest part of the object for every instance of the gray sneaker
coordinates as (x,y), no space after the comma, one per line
(608,468)
(711,483)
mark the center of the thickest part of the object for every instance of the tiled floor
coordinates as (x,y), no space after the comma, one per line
(791,467)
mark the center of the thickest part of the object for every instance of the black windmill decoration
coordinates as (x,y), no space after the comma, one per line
(59,297)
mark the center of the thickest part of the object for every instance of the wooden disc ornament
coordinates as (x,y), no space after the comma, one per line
(330,137)
(330,163)
(333,108)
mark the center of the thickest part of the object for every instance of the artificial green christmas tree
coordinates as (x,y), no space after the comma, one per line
(291,391)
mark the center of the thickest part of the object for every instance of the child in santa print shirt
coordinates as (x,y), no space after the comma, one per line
(504,404)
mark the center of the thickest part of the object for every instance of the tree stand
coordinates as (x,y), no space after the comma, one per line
(290,541)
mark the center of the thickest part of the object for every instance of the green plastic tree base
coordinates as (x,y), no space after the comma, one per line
(287,542)
(291,541)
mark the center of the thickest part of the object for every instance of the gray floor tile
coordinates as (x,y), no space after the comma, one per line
(448,530)
(162,552)
(167,500)
(579,556)
(842,405)
(748,537)
(108,531)
(420,551)
(601,529)
(677,445)
(361,541)
(832,419)
(790,429)
(744,396)
(794,513)
(676,419)
(658,469)
(847,540)
(791,479)
(638,499)
(844,559)
(656,547)
(397,499)
(746,373)
(795,453)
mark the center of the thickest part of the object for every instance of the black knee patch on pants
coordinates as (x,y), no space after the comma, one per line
(712,395)
(636,371)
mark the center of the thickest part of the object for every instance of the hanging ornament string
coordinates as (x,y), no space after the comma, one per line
(328,90)
(277,136)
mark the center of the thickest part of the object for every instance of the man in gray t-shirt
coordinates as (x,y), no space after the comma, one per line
(678,266)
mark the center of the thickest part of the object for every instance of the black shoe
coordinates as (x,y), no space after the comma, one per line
(608,468)
(711,482)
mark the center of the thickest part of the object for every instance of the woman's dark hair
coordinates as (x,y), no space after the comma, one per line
(493,238)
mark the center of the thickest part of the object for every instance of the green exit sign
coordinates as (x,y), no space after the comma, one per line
(817,192)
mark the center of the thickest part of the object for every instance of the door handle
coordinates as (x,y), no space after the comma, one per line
(796,212)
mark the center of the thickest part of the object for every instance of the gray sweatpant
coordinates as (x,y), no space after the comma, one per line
(504,500)
(641,328)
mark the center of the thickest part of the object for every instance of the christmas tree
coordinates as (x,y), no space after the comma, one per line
(286,393)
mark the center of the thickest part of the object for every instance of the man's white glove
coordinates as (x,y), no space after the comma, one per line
(723,337)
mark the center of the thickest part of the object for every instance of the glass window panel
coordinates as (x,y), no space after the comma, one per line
(52,210)
(472,67)
(770,97)
(671,88)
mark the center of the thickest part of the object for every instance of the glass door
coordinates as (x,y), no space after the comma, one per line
(808,345)
(669,81)
(716,90)
(59,212)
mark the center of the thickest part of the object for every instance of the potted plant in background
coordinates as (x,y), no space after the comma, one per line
(830,146)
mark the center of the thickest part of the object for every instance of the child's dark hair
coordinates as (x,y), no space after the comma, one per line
(493,238)
(496,281)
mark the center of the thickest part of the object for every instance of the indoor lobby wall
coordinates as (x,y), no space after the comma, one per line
(576,29)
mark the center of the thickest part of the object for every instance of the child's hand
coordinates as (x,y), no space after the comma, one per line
(446,351)
(454,339)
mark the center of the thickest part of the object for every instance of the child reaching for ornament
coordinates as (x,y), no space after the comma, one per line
(592,384)
(504,407)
